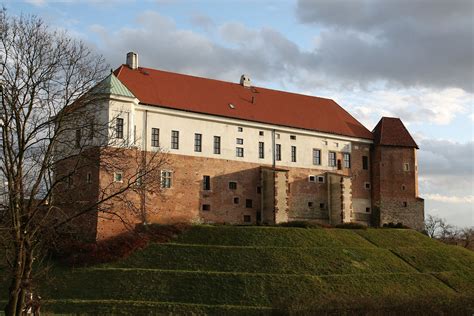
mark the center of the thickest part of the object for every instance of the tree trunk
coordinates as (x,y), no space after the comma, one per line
(15,285)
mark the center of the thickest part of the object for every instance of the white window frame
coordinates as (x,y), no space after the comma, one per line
(118,176)
(166,179)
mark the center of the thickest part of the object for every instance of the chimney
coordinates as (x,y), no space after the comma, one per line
(132,60)
(245,81)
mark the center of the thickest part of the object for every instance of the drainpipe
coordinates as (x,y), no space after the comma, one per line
(274,173)
(144,153)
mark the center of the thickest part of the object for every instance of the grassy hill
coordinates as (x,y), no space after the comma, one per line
(262,270)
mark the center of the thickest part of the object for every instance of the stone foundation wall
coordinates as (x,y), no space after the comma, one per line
(393,211)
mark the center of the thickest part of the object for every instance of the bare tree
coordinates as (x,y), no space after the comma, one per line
(433,225)
(51,133)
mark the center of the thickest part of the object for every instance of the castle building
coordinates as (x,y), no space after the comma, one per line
(242,154)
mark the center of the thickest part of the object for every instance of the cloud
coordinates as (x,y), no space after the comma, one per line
(38,3)
(450,199)
(202,21)
(408,43)
(442,157)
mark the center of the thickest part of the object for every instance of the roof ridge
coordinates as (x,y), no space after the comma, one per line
(232,83)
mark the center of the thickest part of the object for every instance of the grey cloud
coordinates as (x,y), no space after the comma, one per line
(441,157)
(426,43)
(264,54)
(202,21)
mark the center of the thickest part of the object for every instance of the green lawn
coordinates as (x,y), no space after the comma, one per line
(228,270)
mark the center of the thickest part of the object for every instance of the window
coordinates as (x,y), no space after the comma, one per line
(261,133)
(89,178)
(239,141)
(118,176)
(406,167)
(347,160)
(367,185)
(332,159)
(405,204)
(78,138)
(119,127)
(240,129)
(259,189)
(322,206)
(206,207)
(247,218)
(206,183)
(339,164)
(217,145)
(320,179)
(261,150)
(336,144)
(166,179)
(239,151)
(70,181)
(155,137)
(365,162)
(278,152)
(197,142)
(293,153)
(277,135)
(91,130)
(248,203)
(312,178)
(233,185)
(316,157)
(403,187)
(236,200)
(292,137)
(310,204)
(367,209)
(174,139)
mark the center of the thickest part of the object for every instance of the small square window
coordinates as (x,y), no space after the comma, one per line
(367,185)
(118,176)
(248,203)
(206,207)
(367,209)
(336,144)
(312,178)
(322,206)
(406,167)
(233,185)
(240,141)
(405,204)
(240,129)
(247,218)
(310,204)
(261,133)
(239,151)
(292,137)
(320,179)
(259,189)
(236,200)
(277,135)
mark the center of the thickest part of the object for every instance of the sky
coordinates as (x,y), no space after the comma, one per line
(412,59)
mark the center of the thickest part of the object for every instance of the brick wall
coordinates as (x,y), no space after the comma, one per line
(395,189)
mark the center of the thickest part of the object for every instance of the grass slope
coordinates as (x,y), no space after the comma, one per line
(259,270)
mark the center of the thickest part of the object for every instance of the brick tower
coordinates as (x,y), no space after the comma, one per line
(395,176)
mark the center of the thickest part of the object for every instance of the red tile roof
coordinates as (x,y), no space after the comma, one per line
(202,95)
(390,131)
